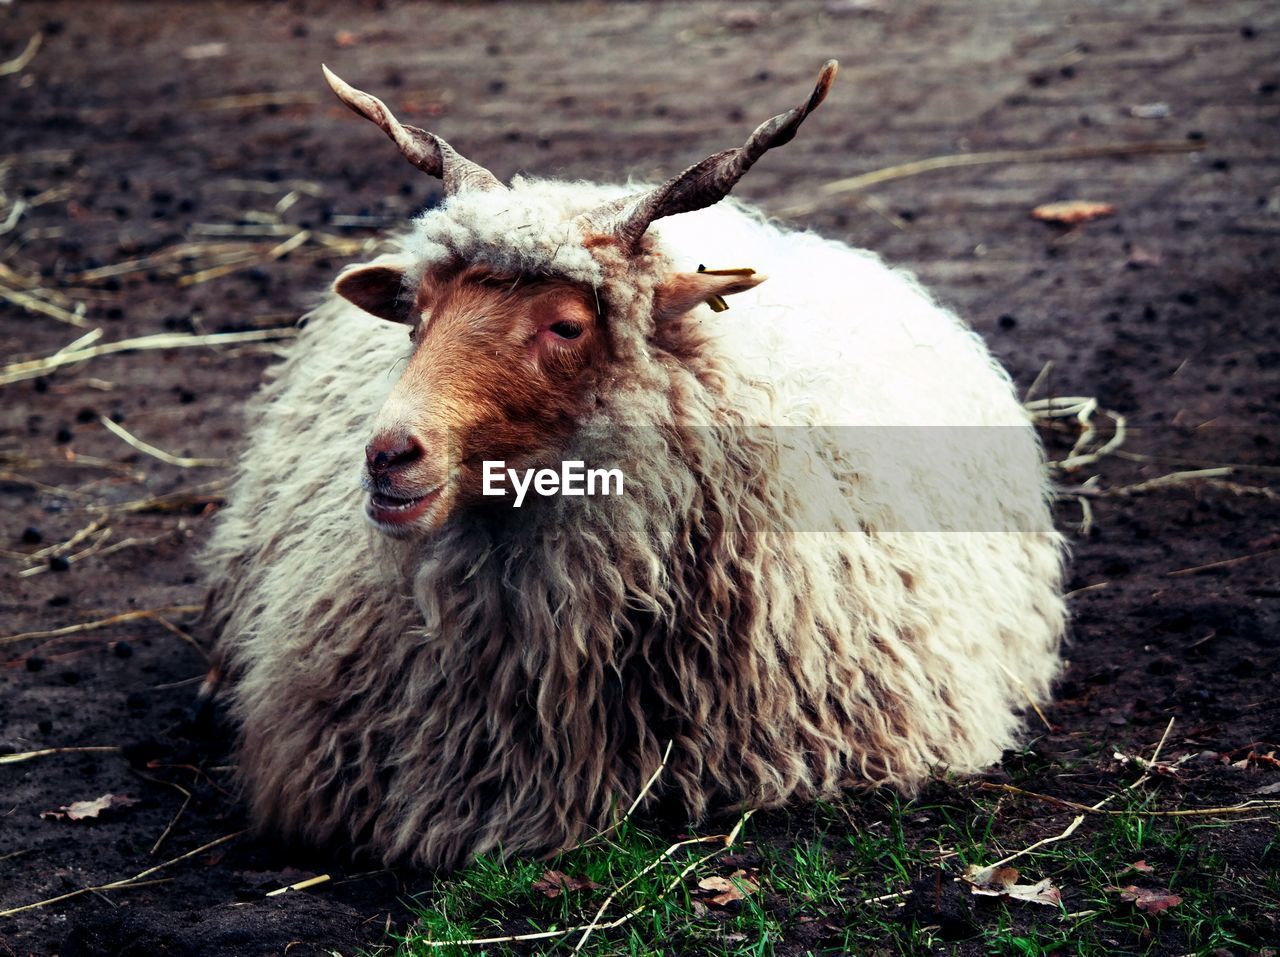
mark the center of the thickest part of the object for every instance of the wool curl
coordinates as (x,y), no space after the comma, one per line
(509,684)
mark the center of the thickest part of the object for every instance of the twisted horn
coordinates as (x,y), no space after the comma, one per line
(705,183)
(424,150)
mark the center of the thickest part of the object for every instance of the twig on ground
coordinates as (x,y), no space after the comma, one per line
(20,62)
(180,683)
(20,479)
(619,921)
(272,228)
(96,547)
(653,779)
(174,820)
(1155,755)
(204,493)
(31,368)
(1197,463)
(1079,818)
(147,448)
(1225,563)
(102,623)
(300,885)
(1082,409)
(216,272)
(71,460)
(1066,833)
(184,635)
(199,772)
(989,158)
(174,259)
(100,549)
(15,213)
(1207,477)
(31,303)
(1034,389)
(1179,812)
(1086,515)
(893,898)
(88,339)
(648,785)
(1160,482)
(62,548)
(595,925)
(21,756)
(125,882)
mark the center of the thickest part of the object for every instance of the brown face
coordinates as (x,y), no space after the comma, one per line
(501,369)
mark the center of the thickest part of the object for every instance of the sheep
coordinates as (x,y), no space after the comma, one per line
(832,566)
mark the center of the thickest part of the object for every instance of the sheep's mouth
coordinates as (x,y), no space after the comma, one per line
(393,511)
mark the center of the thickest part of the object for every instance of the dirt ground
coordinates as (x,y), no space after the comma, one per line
(194,134)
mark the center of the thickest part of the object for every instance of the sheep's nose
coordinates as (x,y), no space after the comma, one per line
(391,451)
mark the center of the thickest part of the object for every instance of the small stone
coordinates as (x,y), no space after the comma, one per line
(58,563)
(31,535)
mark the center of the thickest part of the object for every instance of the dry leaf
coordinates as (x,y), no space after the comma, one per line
(1142,867)
(737,886)
(1003,882)
(86,810)
(1072,211)
(554,883)
(1269,758)
(1150,900)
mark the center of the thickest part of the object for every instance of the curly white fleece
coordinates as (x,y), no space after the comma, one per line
(857,599)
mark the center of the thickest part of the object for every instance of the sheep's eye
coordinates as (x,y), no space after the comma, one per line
(566,330)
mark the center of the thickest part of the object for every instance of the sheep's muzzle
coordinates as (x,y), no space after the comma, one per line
(406,488)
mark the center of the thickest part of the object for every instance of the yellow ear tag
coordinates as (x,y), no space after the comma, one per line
(717,303)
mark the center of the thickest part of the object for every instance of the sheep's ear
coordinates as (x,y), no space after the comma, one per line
(682,291)
(378,289)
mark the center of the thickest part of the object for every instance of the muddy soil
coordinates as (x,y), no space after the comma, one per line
(138,127)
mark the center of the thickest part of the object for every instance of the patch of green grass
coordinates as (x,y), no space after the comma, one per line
(806,873)
(820,872)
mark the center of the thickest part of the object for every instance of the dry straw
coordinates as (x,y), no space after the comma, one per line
(31,368)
